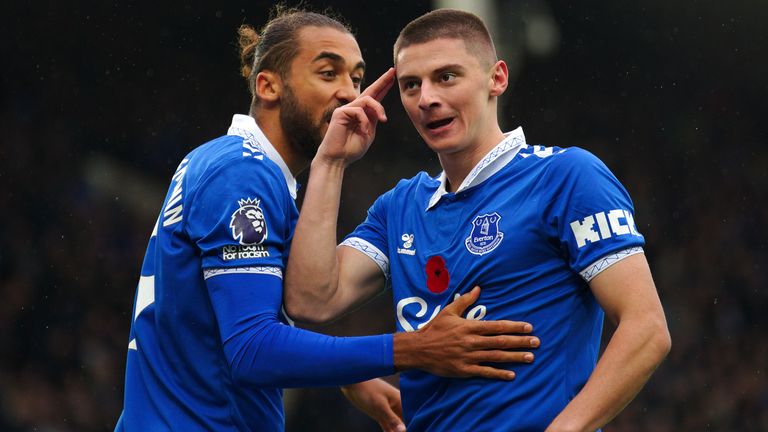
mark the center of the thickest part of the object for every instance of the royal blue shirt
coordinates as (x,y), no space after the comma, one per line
(209,348)
(530,225)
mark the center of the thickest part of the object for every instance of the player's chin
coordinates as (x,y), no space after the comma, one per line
(437,144)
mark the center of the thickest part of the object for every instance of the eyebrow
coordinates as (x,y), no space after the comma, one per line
(438,71)
(332,56)
(454,66)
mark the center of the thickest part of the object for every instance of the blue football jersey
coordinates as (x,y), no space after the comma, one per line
(530,225)
(230,205)
(209,348)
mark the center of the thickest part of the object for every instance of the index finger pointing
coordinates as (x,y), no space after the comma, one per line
(379,88)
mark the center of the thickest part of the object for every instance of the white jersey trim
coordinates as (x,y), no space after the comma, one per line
(245,126)
(603,263)
(372,251)
(489,165)
(267,270)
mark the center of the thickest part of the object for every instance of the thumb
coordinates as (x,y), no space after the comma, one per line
(462,303)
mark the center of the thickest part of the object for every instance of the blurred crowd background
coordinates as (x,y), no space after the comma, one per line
(99,101)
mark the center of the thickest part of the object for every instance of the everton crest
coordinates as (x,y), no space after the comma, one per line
(485,235)
(248,224)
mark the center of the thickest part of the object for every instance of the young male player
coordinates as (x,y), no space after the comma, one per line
(208,346)
(547,232)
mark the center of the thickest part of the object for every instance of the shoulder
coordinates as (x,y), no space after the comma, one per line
(407,192)
(575,158)
(231,159)
(562,162)
(557,156)
(418,184)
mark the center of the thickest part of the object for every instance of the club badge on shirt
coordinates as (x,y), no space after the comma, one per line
(485,235)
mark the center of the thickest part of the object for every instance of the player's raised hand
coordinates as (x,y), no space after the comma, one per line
(380,401)
(453,346)
(353,126)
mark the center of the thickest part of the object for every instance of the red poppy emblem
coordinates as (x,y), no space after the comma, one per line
(437,275)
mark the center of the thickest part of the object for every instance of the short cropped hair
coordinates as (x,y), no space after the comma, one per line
(277,44)
(449,24)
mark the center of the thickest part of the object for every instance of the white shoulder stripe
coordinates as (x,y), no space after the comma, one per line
(372,251)
(603,263)
(268,270)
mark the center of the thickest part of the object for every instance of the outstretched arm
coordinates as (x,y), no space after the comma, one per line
(262,351)
(641,341)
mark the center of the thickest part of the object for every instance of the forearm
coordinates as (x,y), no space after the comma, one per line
(636,349)
(312,274)
(272,354)
(262,351)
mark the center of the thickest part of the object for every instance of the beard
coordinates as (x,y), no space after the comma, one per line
(298,127)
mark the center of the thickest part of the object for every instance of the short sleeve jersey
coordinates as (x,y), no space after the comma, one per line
(530,225)
(230,208)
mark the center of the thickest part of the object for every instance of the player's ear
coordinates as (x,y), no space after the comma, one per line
(499,79)
(269,86)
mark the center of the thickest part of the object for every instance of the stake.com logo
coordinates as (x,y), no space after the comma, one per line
(408,304)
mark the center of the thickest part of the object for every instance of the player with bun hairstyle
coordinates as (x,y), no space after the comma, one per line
(210,347)
(547,232)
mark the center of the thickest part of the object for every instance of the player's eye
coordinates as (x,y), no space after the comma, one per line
(411,85)
(447,77)
(357,81)
(328,74)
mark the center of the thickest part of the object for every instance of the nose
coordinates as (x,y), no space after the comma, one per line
(427,96)
(347,92)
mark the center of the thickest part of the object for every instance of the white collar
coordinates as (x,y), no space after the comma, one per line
(489,165)
(245,126)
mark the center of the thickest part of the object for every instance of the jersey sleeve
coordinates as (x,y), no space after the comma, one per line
(263,351)
(239,216)
(370,237)
(591,215)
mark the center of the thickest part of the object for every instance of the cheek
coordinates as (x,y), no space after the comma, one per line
(473,106)
(411,108)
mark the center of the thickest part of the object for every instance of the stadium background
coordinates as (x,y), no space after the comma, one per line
(100,100)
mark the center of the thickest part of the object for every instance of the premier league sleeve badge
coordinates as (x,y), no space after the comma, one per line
(249,228)
(485,235)
(248,224)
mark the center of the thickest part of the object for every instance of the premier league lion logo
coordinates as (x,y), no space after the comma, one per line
(485,235)
(248,223)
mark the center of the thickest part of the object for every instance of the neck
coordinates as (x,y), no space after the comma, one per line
(457,165)
(269,123)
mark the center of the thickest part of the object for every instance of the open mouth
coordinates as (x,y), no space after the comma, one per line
(439,123)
